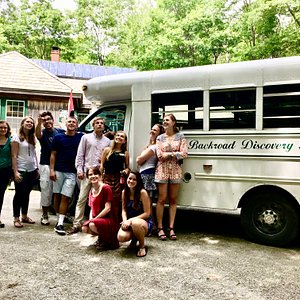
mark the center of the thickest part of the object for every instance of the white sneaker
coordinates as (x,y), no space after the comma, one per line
(45,220)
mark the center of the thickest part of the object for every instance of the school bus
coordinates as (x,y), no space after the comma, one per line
(242,124)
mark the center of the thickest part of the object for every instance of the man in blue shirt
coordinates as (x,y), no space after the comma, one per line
(45,137)
(63,171)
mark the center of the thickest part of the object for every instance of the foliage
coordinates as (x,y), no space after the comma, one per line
(153,34)
(34,27)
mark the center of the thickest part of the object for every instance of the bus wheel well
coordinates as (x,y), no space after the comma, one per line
(263,189)
(270,215)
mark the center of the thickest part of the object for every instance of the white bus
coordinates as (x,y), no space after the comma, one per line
(242,124)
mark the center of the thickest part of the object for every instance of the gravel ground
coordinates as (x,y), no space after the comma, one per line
(212,261)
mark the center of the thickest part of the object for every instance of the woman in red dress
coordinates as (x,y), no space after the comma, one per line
(103,220)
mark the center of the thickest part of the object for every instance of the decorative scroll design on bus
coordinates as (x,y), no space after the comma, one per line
(245,145)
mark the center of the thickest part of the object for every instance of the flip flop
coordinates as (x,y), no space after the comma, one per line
(18,224)
(28,220)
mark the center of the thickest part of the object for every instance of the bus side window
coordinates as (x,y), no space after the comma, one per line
(114,117)
(232,109)
(187,107)
(281,106)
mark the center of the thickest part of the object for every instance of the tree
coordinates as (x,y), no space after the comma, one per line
(97,22)
(34,27)
(175,34)
(267,28)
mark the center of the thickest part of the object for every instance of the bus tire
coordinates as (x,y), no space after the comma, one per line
(269,218)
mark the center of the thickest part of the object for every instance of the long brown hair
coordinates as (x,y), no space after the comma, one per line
(8,133)
(113,145)
(175,128)
(161,131)
(137,190)
(31,134)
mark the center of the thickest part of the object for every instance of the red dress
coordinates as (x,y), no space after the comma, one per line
(107,226)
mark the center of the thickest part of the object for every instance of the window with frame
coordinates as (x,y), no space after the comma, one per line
(187,108)
(281,106)
(15,112)
(232,109)
(114,117)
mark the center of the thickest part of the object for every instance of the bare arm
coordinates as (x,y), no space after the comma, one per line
(145,155)
(125,224)
(103,159)
(126,170)
(14,157)
(38,128)
(146,207)
(104,211)
(52,164)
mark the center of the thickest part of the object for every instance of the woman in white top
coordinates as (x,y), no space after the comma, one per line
(25,169)
(147,161)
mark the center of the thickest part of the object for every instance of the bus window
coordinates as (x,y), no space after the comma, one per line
(281,106)
(232,109)
(114,117)
(187,107)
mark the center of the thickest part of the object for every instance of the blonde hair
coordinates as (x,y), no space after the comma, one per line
(30,138)
(113,145)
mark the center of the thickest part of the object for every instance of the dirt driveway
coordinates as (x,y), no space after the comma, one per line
(210,260)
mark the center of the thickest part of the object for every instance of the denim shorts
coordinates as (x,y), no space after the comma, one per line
(64,184)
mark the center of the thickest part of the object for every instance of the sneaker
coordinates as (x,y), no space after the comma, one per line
(60,229)
(45,220)
(73,230)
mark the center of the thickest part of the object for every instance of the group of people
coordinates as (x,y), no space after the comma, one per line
(120,199)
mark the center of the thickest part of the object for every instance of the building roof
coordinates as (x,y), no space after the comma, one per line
(79,71)
(19,74)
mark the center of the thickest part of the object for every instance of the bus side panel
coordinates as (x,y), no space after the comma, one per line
(219,181)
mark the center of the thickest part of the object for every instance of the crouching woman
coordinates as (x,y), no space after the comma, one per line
(137,221)
(103,220)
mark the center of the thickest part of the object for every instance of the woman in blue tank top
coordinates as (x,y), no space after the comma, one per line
(136,215)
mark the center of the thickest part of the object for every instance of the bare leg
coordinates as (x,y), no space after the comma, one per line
(93,229)
(57,200)
(162,197)
(173,193)
(64,203)
(140,229)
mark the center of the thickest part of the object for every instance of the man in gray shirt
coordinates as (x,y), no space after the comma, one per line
(88,155)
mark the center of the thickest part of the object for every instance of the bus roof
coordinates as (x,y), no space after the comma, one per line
(285,70)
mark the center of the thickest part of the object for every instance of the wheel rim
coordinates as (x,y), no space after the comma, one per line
(269,218)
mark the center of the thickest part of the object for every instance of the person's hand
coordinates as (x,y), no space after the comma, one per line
(18,177)
(40,120)
(52,175)
(126,225)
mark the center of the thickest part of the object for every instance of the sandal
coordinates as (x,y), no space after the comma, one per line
(2,225)
(28,220)
(18,224)
(98,244)
(173,236)
(142,252)
(161,237)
